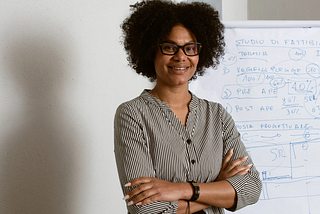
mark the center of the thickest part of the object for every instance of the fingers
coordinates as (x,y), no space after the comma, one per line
(235,168)
(141,183)
(138,181)
(140,189)
(226,159)
(230,166)
(238,170)
(236,163)
(241,170)
(148,190)
(230,169)
(145,192)
(143,198)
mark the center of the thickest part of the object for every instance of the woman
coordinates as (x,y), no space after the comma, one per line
(177,153)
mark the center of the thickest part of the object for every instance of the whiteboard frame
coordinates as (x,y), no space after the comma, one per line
(271,24)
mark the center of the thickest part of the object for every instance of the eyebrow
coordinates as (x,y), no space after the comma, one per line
(168,40)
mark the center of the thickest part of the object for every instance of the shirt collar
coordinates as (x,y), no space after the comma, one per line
(153,100)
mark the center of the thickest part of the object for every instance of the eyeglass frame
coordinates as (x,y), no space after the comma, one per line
(182,47)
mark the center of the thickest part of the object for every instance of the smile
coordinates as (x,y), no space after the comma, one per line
(179,68)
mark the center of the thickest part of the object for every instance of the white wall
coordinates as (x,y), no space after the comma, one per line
(217,4)
(234,10)
(63,72)
(283,10)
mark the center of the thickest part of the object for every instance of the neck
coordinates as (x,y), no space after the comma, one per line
(173,96)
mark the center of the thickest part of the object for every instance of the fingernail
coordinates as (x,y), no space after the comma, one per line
(139,203)
(127,184)
(231,150)
(126,197)
(250,165)
(130,203)
(245,157)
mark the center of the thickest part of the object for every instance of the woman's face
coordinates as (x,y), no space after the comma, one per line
(175,70)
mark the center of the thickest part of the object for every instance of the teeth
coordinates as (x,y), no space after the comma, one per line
(179,68)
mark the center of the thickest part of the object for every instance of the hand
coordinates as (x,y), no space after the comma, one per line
(232,169)
(151,190)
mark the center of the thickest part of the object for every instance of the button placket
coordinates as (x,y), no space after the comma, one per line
(192,159)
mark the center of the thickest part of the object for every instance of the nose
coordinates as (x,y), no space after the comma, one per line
(180,55)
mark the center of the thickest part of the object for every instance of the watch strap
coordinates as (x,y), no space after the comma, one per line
(196,190)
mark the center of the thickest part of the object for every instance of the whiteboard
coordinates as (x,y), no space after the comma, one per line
(269,81)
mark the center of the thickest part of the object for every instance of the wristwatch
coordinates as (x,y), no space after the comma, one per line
(196,190)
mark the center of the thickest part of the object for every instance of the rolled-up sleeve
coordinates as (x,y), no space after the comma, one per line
(133,157)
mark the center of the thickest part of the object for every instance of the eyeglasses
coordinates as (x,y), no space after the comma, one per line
(190,49)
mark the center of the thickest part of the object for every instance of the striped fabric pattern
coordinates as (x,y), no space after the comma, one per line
(150,141)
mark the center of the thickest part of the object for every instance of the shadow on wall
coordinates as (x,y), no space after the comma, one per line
(38,161)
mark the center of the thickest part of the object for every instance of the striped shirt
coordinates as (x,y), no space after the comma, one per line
(150,141)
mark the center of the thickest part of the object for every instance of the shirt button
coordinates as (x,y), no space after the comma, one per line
(193,161)
(188,141)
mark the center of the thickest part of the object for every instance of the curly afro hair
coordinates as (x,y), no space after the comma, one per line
(151,22)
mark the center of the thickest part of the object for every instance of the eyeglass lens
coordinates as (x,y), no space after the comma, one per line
(191,49)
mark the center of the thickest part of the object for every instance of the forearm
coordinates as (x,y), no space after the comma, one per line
(219,194)
(194,206)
